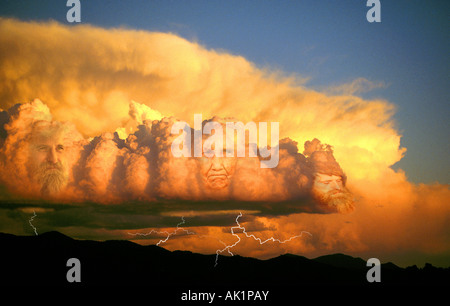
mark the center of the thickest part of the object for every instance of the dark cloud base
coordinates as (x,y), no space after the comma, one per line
(16,214)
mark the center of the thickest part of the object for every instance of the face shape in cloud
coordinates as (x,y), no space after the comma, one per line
(328,187)
(38,152)
(330,192)
(48,163)
(217,171)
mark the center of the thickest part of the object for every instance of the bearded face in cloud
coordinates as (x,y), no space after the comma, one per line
(48,165)
(38,153)
(330,192)
(328,187)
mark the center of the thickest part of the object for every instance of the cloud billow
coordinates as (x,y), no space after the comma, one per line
(118,91)
(142,168)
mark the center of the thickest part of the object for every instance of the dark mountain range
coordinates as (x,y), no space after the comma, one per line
(42,260)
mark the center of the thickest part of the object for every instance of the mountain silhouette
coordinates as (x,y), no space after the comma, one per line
(42,260)
(342,261)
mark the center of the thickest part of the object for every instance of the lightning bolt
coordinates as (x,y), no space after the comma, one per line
(169,234)
(239,226)
(31,224)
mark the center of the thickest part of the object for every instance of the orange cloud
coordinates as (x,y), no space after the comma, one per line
(88,76)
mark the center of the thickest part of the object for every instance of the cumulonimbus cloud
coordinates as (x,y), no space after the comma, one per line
(110,170)
(88,76)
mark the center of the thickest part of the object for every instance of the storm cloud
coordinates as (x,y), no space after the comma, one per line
(121,90)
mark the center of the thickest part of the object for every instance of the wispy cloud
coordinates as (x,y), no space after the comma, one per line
(356,87)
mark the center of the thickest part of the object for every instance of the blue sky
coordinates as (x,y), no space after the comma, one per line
(329,42)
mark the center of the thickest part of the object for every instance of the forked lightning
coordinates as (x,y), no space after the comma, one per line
(239,226)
